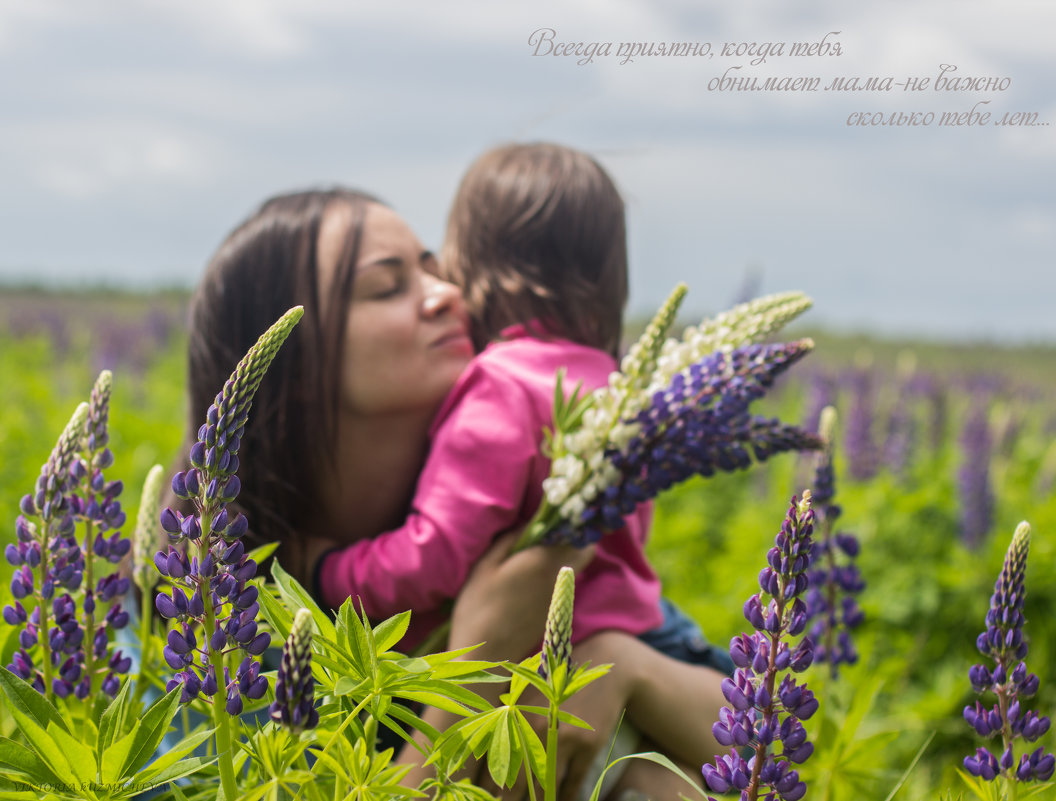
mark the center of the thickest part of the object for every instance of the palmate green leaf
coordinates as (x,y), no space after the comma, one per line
(42,743)
(20,762)
(82,759)
(391,631)
(500,765)
(34,706)
(531,747)
(115,720)
(151,730)
(296,597)
(176,754)
(186,766)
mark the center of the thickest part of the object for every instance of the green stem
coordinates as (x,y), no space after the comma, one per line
(550,790)
(45,641)
(221,718)
(89,617)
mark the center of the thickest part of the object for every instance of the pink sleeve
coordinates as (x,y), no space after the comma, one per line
(472,488)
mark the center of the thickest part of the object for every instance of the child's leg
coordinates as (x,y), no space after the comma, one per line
(647,780)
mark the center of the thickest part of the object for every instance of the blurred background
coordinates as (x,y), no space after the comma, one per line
(136,135)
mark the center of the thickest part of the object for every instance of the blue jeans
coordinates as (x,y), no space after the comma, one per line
(681,638)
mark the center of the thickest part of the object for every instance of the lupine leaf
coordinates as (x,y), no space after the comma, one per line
(41,742)
(152,729)
(22,696)
(114,718)
(531,746)
(176,754)
(499,754)
(296,597)
(183,767)
(16,759)
(116,755)
(80,756)
(391,631)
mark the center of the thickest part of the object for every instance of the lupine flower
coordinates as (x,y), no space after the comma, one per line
(294,705)
(96,505)
(973,476)
(213,609)
(859,444)
(557,637)
(1009,680)
(821,393)
(834,578)
(698,425)
(45,531)
(766,704)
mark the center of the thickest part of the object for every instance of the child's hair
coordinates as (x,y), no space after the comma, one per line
(537,232)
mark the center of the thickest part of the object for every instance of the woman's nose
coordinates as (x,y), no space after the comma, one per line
(441,296)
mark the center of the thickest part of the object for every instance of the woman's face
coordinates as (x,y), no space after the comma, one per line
(406,340)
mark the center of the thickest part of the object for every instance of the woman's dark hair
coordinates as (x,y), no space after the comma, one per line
(266,265)
(537,231)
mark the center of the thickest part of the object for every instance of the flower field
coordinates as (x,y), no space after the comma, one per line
(939,452)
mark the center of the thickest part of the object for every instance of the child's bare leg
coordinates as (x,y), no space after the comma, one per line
(675,704)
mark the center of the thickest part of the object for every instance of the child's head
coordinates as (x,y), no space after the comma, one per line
(537,231)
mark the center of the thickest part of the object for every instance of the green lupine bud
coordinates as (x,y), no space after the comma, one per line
(145,539)
(95,434)
(557,639)
(237,395)
(294,705)
(640,360)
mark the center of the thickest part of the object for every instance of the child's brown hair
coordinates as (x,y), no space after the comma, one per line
(537,232)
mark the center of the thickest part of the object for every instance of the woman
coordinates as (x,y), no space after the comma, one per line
(339,426)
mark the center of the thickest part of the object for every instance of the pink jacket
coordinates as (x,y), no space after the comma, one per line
(483,477)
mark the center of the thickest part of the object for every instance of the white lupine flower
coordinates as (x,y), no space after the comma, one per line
(556,490)
(573,507)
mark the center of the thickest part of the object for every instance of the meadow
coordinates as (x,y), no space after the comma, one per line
(941,451)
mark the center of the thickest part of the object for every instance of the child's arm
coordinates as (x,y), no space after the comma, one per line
(472,488)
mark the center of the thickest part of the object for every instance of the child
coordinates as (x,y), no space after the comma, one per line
(536,239)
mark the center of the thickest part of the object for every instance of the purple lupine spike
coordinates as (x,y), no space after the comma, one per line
(1003,642)
(294,705)
(973,477)
(833,577)
(859,443)
(762,712)
(697,426)
(209,568)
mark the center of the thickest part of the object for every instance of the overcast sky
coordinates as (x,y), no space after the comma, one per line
(136,134)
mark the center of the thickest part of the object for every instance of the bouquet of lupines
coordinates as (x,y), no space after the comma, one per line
(207,598)
(834,578)
(1009,680)
(73,639)
(762,711)
(676,408)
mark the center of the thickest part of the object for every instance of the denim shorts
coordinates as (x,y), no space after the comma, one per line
(681,638)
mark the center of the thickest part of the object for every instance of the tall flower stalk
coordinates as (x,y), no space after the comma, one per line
(766,704)
(833,576)
(676,408)
(1008,679)
(46,542)
(212,608)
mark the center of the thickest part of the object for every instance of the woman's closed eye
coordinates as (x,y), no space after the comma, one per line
(380,281)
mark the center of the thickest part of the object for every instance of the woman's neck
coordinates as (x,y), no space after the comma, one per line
(377,463)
